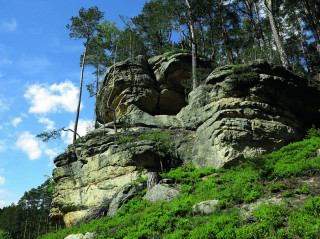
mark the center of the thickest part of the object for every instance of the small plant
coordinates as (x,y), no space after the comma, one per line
(126,119)
(305,189)
(125,139)
(287,194)
(237,68)
(313,132)
(78,140)
(186,84)
(277,187)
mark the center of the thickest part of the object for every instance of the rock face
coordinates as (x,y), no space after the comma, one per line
(237,112)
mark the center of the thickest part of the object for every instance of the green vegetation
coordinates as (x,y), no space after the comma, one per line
(244,183)
(4,235)
(171,53)
(29,218)
(277,187)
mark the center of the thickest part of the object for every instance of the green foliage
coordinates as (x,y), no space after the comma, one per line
(313,132)
(161,141)
(46,136)
(86,24)
(287,194)
(187,85)
(244,183)
(78,140)
(277,187)
(4,235)
(30,215)
(125,139)
(188,174)
(304,189)
(305,222)
(171,53)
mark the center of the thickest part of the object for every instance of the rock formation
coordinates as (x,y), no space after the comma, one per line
(236,112)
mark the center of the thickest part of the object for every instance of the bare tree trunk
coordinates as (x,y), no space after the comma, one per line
(193,46)
(108,102)
(276,35)
(153,179)
(97,89)
(225,38)
(80,93)
(177,28)
(252,22)
(256,9)
(314,26)
(303,44)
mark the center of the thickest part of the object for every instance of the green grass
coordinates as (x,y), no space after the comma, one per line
(244,183)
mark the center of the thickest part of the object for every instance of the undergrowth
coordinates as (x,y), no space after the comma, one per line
(244,183)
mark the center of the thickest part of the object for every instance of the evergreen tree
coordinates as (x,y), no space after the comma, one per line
(84,27)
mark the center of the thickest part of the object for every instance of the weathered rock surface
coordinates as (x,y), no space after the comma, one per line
(238,112)
(121,198)
(206,207)
(160,193)
(88,235)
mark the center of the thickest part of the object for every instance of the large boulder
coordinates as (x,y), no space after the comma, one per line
(206,207)
(160,193)
(238,112)
(246,111)
(128,82)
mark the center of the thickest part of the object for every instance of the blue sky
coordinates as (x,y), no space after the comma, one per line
(39,81)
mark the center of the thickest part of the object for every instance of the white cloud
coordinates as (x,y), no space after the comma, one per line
(2,203)
(84,126)
(49,123)
(4,104)
(1,75)
(28,144)
(9,25)
(4,193)
(3,145)
(16,121)
(2,180)
(52,98)
(51,153)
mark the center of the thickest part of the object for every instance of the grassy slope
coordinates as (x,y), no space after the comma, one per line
(278,175)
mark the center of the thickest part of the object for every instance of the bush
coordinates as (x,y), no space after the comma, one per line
(277,187)
(4,235)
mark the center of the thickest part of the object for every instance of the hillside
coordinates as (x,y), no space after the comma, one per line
(158,168)
(272,196)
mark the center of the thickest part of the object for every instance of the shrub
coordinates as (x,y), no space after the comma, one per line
(277,187)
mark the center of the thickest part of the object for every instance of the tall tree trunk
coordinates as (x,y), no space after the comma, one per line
(225,38)
(193,46)
(276,35)
(177,28)
(303,44)
(314,26)
(256,9)
(213,53)
(97,89)
(80,92)
(203,39)
(252,22)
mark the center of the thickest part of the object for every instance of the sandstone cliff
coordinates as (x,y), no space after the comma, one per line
(237,112)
